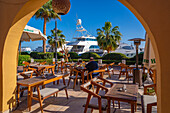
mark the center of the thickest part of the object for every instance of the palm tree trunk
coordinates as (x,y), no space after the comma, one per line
(44,31)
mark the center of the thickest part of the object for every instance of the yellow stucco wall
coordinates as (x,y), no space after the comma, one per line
(153,14)
(155,17)
(14,17)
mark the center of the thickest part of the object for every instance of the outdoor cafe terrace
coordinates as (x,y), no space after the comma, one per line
(46,96)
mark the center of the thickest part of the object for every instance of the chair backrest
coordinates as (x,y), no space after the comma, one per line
(101,71)
(25,63)
(123,66)
(43,63)
(111,64)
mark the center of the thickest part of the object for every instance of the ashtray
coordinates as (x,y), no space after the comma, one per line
(122,90)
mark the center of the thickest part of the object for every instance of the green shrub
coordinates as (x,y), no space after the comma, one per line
(49,61)
(73,55)
(24,53)
(114,56)
(34,55)
(40,55)
(59,55)
(140,57)
(47,55)
(90,54)
(23,58)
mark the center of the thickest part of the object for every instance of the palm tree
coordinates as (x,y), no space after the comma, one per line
(60,42)
(46,12)
(108,37)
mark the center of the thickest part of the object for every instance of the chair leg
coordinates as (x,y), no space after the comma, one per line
(113,103)
(119,104)
(66,92)
(58,82)
(100,105)
(91,110)
(39,98)
(109,74)
(87,103)
(74,83)
(68,82)
(135,106)
(22,94)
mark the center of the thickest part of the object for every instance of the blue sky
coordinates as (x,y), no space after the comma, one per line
(94,14)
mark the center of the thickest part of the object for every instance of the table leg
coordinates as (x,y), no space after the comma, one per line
(132,107)
(29,98)
(82,76)
(108,103)
(18,95)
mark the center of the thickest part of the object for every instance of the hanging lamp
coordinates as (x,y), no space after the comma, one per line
(61,7)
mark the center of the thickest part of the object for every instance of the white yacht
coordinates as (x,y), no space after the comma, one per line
(85,42)
(128,50)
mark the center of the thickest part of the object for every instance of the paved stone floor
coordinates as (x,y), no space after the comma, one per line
(74,104)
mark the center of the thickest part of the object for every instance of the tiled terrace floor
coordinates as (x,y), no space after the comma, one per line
(72,105)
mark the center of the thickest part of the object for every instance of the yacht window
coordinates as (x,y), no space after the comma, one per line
(94,47)
(127,54)
(90,39)
(127,47)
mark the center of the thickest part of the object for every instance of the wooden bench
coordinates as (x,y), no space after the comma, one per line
(45,93)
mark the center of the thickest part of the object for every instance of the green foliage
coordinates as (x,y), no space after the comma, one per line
(60,42)
(23,58)
(59,55)
(114,56)
(46,12)
(90,54)
(73,55)
(24,53)
(47,55)
(39,55)
(140,58)
(108,37)
(49,61)
(34,55)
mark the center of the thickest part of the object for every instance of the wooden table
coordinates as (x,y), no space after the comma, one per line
(38,67)
(32,82)
(129,96)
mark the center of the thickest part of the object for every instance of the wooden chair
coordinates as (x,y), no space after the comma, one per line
(90,74)
(45,93)
(61,66)
(123,69)
(26,66)
(129,73)
(149,102)
(94,100)
(109,69)
(106,83)
(74,77)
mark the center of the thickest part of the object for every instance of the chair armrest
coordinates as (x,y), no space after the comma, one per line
(89,92)
(98,85)
(105,81)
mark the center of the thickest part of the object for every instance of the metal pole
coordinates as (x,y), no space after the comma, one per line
(137,56)
(56,39)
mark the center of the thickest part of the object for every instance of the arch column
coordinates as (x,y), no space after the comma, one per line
(154,16)
(14,16)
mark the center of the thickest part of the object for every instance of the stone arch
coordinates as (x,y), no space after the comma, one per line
(22,10)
